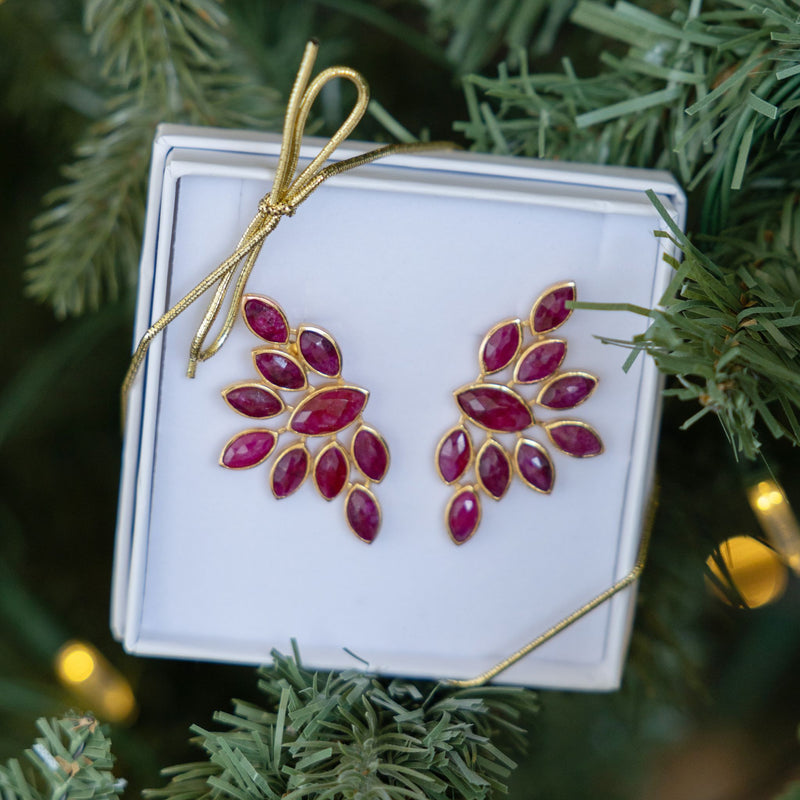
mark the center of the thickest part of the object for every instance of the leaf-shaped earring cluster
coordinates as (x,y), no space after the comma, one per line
(526,351)
(327,408)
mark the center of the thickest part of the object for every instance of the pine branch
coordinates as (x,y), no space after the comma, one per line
(166,61)
(350,735)
(72,759)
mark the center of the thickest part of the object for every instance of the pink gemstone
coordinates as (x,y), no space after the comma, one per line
(289,471)
(455,452)
(330,472)
(541,360)
(247,449)
(495,407)
(328,410)
(370,454)
(494,471)
(566,391)
(265,318)
(463,515)
(550,310)
(279,369)
(320,352)
(534,465)
(575,439)
(254,401)
(500,347)
(363,514)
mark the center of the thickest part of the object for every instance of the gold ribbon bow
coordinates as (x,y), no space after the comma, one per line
(287,193)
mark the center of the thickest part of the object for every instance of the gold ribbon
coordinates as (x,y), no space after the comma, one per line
(287,193)
(622,583)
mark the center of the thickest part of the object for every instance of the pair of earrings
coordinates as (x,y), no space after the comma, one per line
(306,362)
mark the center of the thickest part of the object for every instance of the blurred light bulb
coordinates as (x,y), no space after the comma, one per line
(89,676)
(777,520)
(752,569)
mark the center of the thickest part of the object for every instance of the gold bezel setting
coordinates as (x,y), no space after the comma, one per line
(300,446)
(277,351)
(239,436)
(517,324)
(494,445)
(253,385)
(439,454)
(322,333)
(362,428)
(557,378)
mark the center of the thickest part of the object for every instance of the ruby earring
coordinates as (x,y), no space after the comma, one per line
(306,363)
(514,356)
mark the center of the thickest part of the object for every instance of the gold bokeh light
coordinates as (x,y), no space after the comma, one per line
(777,520)
(83,670)
(755,571)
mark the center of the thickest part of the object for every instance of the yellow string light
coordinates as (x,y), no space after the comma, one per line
(87,674)
(775,515)
(754,571)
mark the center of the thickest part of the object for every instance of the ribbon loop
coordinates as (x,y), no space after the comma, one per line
(286,194)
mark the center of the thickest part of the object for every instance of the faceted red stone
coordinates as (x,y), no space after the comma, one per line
(331,471)
(575,438)
(534,465)
(566,391)
(454,454)
(328,410)
(363,514)
(495,407)
(550,310)
(370,454)
(540,360)
(320,352)
(463,515)
(247,449)
(253,400)
(289,471)
(266,319)
(279,369)
(494,471)
(500,346)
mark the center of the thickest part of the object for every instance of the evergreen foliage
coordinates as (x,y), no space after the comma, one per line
(350,735)
(71,759)
(711,93)
(163,61)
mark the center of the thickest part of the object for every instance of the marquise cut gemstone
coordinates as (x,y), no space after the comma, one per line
(455,452)
(247,449)
(279,369)
(463,515)
(500,346)
(266,319)
(534,466)
(575,438)
(289,471)
(328,410)
(370,454)
(566,391)
(363,514)
(320,352)
(551,310)
(540,360)
(253,400)
(330,471)
(494,471)
(495,407)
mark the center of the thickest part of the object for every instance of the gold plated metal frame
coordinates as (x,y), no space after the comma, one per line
(325,335)
(276,351)
(332,445)
(253,385)
(462,489)
(493,444)
(439,452)
(553,379)
(541,449)
(242,433)
(362,488)
(540,299)
(291,449)
(261,298)
(500,325)
(535,346)
(557,423)
(381,440)
(313,394)
(501,387)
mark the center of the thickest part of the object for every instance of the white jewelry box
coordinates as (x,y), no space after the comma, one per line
(408,262)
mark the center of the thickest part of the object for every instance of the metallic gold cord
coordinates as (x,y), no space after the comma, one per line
(287,193)
(601,598)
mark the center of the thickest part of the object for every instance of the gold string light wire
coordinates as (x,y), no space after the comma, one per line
(287,193)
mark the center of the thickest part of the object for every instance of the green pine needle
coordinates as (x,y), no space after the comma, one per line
(351,735)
